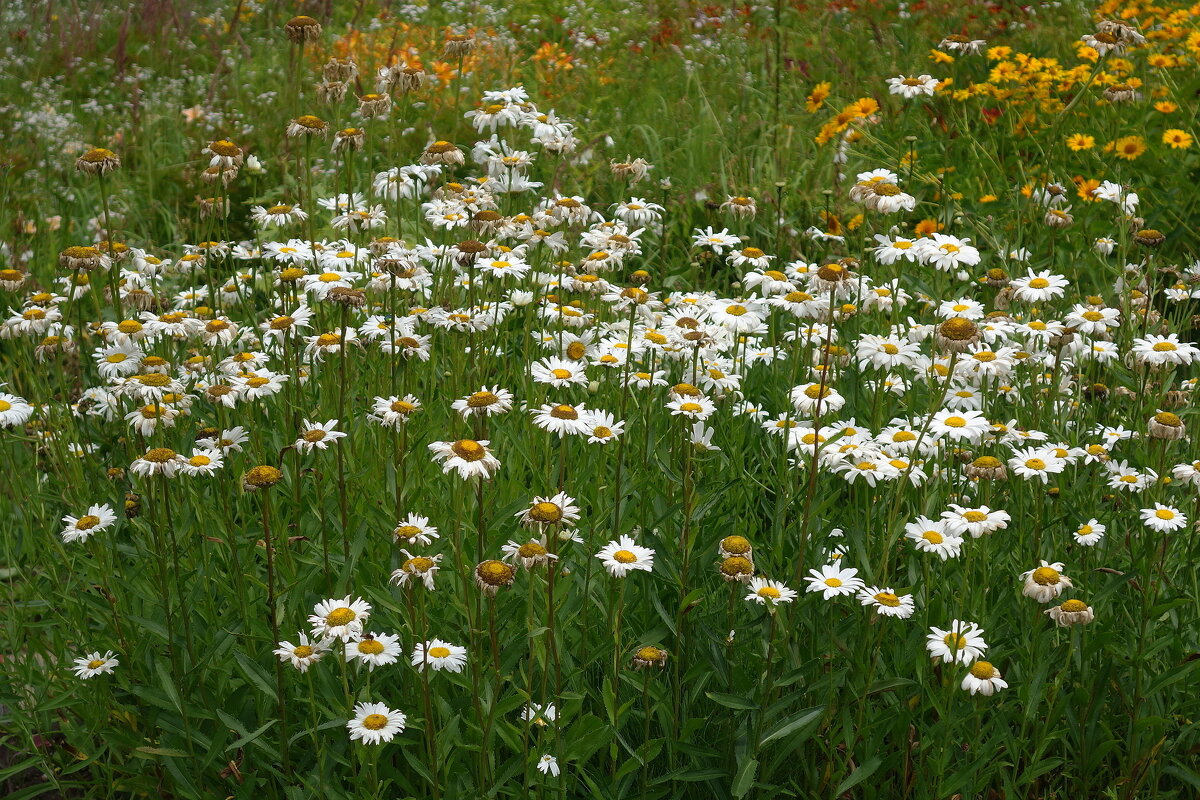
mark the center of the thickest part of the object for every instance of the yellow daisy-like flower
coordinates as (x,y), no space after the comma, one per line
(1165,107)
(1080,141)
(1177,139)
(1129,148)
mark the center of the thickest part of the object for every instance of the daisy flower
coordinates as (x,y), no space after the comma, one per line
(319,435)
(834,581)
(696,407)
(1163,519)
(392,412)
(1089,533)
(374,650)
(562,418)
(80,529)
(886,602)
(1045,583)
(963,643)
(484,403)
(559,510)
(768,592)
(931,536)
(304,654)
(983,679)
(417,568)
(472,459)
(93,664)
(623,555)
(558,372)
(374,723)
(548,765)
(438,655)
(339,619)
(414,529)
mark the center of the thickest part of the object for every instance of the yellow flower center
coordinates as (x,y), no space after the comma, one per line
(546,512)
(374,722)
(340,616)
(303,651)
(1045,576)
(887,599)
(770,592)
(624,557)
(87,523)
(1165,513)
(468,450)
(983,670)
(370,647)
(974,516)
(439,652)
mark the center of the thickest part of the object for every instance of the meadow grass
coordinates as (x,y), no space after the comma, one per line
(651,400)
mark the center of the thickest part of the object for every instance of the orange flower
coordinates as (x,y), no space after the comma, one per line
(927,226)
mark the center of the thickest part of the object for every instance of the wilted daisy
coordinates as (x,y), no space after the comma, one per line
(548,765)
(414,530)
(962,643)
(484,403)
(417,568)
(339,619)
(438,655)
(559,510)
(93,664)
(1072,612)
(374,723)
(302,655)
(79,529)
(392,412)
(623,555)
(1046,582)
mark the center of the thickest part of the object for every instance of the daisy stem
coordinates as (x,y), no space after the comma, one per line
(272,618)
(343,500)
(430,736)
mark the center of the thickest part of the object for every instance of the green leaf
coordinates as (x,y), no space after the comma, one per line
(860,774)
(744,778)
(255,674)
(795,723)
(731,701)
